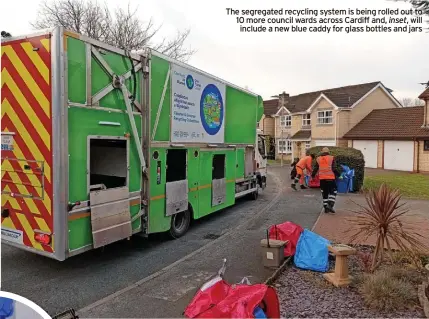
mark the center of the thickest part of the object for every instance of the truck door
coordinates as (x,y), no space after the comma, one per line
(218,180)
(108,185)
(176,192)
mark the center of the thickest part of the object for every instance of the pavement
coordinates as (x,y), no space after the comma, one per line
(157,277)
(336,227)
(168,292)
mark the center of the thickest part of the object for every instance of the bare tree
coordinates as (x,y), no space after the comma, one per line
(406,102)
(421,5)
(120,28)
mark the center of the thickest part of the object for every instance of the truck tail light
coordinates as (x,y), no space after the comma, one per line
(44,239)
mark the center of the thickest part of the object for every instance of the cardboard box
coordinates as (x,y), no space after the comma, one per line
(272,252)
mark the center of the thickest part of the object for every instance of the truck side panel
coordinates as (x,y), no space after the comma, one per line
(157,220)
(159,71)
(27,152)
(241,117)
(88,118)
(205,185)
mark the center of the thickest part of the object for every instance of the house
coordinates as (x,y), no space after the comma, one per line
(321,118)
(267,123)
(395,139)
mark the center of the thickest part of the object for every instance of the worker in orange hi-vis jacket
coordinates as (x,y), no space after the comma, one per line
(304,163)
(326,167)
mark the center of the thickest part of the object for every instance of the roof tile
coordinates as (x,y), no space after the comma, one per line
(344,96)
(271,107)
(396,123)
(302,135)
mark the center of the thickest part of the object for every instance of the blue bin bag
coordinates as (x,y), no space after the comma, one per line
(343,185)
(259,313)
(312,252)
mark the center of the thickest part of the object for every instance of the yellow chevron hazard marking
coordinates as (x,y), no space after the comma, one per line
(29,230)
(7,198)
(42,224)
(26,107)
(45,43)
(37,60)
(6,108)
(33,179)
(27,78)
(29,141)
(21,188)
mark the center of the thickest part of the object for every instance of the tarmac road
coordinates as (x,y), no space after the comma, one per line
(86,278)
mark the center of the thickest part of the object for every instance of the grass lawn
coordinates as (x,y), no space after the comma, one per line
(411,185)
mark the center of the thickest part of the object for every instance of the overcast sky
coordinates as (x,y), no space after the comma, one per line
(271,63)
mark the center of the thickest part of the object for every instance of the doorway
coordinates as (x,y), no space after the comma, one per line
(108,163)
(176,193)
(218,179)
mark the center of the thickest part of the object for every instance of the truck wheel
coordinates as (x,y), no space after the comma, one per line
(255,194)
(180,224)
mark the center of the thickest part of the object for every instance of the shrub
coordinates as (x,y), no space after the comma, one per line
(365,261)
(384,291)
(382,218)
(350,157)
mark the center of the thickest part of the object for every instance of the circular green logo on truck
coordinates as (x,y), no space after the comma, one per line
(190,82)
(211,109)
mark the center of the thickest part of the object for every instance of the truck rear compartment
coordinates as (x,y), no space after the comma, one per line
(79,118)
(26,159)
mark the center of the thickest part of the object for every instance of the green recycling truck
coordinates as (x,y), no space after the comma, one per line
(99,143)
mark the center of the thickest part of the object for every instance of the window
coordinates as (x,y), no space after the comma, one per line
(285,120)
(306,119)
(324,117)
(307,145)
(261,146)
(284,146)
(426,145)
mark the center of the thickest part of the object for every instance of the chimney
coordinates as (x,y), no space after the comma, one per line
(284,99)
(425,96)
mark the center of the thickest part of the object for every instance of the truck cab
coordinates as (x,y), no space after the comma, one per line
(261,159)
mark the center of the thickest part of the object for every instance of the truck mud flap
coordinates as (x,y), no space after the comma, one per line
(110,216)
(176,197)
(218,191)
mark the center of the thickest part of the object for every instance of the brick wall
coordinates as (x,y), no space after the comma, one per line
(322,131)
(423,158)
(378,99)
(342,143)
(380,158)
(296,124)
(267,125)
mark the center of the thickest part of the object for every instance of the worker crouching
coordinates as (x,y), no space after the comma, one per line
(325,166)
(303,163)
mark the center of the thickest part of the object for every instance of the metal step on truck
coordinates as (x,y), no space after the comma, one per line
(99,143)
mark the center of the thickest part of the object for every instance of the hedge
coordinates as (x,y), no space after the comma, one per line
(350,157)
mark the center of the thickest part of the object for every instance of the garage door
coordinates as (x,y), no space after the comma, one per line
(399,155)
(324,142)
(369,150)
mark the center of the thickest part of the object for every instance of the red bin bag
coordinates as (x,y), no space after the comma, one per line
(287,231)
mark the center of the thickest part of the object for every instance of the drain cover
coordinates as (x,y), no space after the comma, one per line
(211,236)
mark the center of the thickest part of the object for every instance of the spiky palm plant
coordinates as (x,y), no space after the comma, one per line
(381,217)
